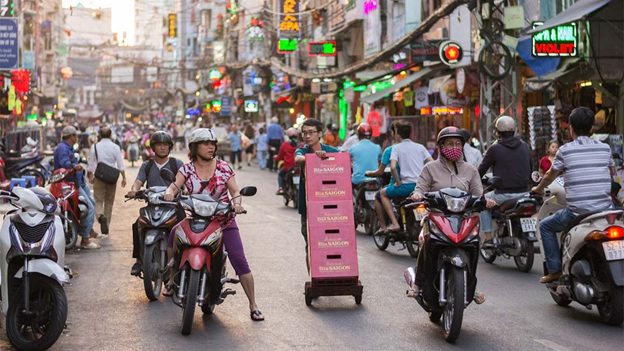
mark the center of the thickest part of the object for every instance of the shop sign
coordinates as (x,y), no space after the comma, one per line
(425,51)
(172,25)
(559,41)
(460,80)
(289,21)
(9,45)
(287,46)
(224,106)
(447,110)
(7,8)
(450,53)
(251,106)
(322,48)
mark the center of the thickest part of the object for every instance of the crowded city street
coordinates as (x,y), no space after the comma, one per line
(108,309)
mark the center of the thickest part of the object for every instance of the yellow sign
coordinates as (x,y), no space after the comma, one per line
(172,25)
(290,20)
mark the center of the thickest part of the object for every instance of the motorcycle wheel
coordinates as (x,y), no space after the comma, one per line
(524,262)
(381,241)
(49,306)
(71,233)
(371,225)
(560,300)
(295,198)
(152,278)
(190,301)
(413,230)
(454,309)
(489,255)
(611,310)
(435,316)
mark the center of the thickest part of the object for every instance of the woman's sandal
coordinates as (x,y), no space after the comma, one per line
(256,315)
(479,298)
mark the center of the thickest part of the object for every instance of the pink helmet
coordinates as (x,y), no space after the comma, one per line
(292,132)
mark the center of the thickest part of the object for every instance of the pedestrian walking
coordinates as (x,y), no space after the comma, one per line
(250,133)
(262,148)
(276,137)
(105,161)
(236,147)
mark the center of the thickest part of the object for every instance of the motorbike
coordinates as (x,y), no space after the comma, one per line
(201,258)
(155,223)
(27,162)
(592,252)
(290,191)
(31,269)
(514,230)
(364,205)
(450,243)
(133,151)
(72,205)
(409,222)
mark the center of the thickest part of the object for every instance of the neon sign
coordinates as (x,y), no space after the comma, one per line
(559,41)
(370,6)
(322,48)
(287,46)
(289,23)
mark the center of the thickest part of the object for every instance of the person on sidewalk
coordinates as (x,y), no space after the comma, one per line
(262,148)
(108,153)
(276,137)
(587,166)
(236,147)
(64,157)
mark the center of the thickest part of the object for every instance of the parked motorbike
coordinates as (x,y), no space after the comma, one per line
(72,205)
(514,230)
(290,191)
(409,222)
(31,269)
(27,162)
(450,245)
(133,151)
(201,258)
(155,223)
(364,205)
(592,258)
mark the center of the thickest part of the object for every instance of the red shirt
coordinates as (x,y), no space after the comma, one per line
(287,154)
(544,164)
(375,121)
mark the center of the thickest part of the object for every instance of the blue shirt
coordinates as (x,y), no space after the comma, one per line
(235,141)
(262,142)
(302,192)
(385,160)
(364,157)
(275,132)
(64,157)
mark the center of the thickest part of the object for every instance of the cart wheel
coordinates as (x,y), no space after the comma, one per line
(358,299)
(308,299)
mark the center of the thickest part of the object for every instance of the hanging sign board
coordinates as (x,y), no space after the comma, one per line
(289,19)
(287,46)
(9,43)
(251,106)
(450,53)
(322,48)
(559,41)
(172,25)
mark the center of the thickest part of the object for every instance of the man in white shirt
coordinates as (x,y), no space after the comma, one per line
(472,155)
(109,153)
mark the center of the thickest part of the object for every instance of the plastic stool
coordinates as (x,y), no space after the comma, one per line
(17,182)
(30,180)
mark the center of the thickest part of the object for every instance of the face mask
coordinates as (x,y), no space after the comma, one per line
(452,153)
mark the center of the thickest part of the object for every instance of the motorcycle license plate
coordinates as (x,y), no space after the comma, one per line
(614,250)
(296,180)
(369,195)
(528,224)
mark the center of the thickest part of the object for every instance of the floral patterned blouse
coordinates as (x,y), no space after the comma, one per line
(217,187)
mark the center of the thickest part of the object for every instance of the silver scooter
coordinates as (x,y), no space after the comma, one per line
(32,255)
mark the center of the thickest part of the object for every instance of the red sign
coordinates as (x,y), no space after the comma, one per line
(450,52)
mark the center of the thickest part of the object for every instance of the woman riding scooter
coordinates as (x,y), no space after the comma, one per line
(205,174)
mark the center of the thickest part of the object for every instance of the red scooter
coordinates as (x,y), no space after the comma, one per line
(200,258)
(73,206)
(448,259)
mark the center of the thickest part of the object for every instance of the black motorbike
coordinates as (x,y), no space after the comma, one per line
(364,205)
(155,223)
(409,223)
(290,191)
(27,162)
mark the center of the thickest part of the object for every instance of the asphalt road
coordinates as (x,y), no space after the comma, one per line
(108,309)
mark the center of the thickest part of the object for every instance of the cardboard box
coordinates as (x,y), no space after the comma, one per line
(331,237)
(328,179)
(330,214)
(337,263)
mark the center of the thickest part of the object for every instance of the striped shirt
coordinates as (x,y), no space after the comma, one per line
(585,165)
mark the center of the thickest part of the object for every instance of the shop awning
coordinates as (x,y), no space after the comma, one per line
(573,13)
(572,69)
(422,74)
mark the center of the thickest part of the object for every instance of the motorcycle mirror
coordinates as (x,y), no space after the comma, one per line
(248,191)
(167,175)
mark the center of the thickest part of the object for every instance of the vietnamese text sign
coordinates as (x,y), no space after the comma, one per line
(8,43)
(323,48)
(226,106)
(172,25)
(557,41)
(289,21)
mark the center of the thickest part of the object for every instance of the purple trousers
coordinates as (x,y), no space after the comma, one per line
(233,245)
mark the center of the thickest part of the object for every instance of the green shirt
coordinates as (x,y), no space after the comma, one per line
(302,191)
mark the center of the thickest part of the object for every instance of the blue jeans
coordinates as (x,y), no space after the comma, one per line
(549,227)
(85,192)
(262,158)
(486,215)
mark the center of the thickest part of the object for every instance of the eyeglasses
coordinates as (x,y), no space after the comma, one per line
(310,132)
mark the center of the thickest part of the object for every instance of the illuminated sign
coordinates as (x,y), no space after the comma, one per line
(251,106)
(370,6)
(172,25)
(322,48)
(7,8)
(556,41)
(450,52)
(214,74)
(287,46)
(216,106)
(289,21)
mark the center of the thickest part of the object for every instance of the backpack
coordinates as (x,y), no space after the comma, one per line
(172,164)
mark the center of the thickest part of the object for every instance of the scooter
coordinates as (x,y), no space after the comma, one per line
(592,253)
(72,205)
(32,252)
(155,223)
(514,230)
(364,205)
(133,151)
(409,222)
(27,162)
(290,192)
(450,242)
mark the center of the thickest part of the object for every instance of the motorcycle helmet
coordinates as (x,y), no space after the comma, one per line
(292,133)
(504,126)
(364,130)
(450,132)
(161,137)
(203,134)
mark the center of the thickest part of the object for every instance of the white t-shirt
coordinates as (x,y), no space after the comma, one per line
(411,157)
(473,156)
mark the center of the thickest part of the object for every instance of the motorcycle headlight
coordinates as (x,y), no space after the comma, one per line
(154,198)
(455,204)
(203,208)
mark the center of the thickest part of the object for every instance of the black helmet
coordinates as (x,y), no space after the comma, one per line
(161,137)
(451,132)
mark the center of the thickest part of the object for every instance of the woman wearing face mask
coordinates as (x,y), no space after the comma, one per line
(448,171)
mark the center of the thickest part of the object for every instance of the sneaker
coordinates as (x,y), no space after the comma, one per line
(102,236)
(90,246)
(549,278)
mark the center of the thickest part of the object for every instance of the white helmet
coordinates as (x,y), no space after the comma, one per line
(201,134)
(505,124)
